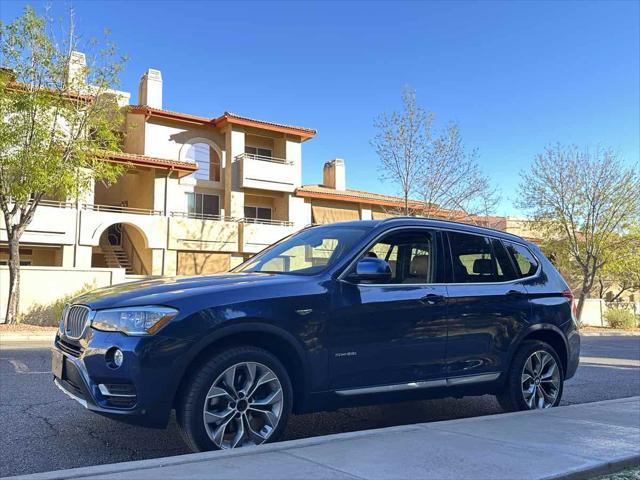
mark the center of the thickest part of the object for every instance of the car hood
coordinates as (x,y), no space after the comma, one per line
(173,290)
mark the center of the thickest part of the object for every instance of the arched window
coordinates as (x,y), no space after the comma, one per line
(207,160)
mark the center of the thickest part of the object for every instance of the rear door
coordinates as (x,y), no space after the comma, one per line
(393,333)
(488,305)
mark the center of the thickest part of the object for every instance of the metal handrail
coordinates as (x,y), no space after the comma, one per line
(262,158)
(203,216)
(135,255)
(119,209)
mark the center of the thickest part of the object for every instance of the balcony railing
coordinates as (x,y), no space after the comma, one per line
(203,216)
(262,158)
(264,221)
(56,204)
(120,209)
(220,218)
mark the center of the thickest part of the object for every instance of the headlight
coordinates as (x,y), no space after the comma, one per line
(133,320)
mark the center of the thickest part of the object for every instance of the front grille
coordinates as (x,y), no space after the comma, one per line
(68,347)
(75,320)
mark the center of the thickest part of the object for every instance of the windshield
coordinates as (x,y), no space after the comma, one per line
(308,252)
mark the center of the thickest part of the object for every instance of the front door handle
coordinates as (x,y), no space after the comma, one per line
(432,299)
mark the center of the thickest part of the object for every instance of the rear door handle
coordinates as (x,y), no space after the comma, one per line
(432,299)
(515,293)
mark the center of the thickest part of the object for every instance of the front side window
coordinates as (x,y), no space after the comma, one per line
(308,252)
(475,260)
(202,205)
(524,260)
(411,254)
(257,213)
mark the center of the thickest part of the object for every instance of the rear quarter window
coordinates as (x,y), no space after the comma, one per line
(525,262)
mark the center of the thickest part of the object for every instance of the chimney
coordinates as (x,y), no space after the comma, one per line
(150,91)
(333,174)
(76,73)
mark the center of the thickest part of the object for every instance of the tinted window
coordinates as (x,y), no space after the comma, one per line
(411,254)
(524,260)
(474,259)
(199,204)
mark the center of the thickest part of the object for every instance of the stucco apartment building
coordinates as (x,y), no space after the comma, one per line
(199,195)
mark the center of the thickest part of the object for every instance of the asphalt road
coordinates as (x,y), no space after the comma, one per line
(41,429)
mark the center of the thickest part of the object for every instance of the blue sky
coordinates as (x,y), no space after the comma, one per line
(515,76)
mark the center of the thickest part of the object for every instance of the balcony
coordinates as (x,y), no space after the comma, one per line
(203,232)
(258,234)
(267,173)
(53,223)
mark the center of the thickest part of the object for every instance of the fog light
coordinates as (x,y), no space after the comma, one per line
(114,357)
(118,357)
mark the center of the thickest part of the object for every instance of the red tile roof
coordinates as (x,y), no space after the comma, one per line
(143,160)
(226,117)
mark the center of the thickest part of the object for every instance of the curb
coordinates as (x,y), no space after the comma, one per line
(28,337)
(606,467)
(610,334)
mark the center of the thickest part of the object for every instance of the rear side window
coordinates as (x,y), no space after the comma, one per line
(523,259)
(477,259)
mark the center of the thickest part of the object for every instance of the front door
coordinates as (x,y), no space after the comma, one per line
(488,305)
(395,333)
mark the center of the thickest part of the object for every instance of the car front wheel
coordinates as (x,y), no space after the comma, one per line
(535,379)
(240,397)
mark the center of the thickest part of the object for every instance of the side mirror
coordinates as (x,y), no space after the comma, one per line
(371,270)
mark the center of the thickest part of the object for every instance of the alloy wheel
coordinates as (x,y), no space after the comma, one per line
(243,406)
(540,380)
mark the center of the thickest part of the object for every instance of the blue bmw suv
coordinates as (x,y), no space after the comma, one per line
(345,314)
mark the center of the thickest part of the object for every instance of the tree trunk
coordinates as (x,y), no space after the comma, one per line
(14,278)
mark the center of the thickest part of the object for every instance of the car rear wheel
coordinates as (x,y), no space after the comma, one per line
(240,397)
(535,380)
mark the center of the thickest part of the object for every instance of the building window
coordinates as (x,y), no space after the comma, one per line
(203,205)
(262,152)
(257,213)
(207,160)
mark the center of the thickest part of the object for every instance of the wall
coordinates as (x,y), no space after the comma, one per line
(43,285)
(135,187)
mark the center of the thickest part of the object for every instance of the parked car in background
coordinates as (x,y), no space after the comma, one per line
(344,314)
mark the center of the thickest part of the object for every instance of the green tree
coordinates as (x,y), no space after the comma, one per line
(60,118)
(621,273)
(582,202)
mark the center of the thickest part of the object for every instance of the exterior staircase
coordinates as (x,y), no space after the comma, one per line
(116,257)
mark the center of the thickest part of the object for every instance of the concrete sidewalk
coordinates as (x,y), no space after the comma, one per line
(577,441)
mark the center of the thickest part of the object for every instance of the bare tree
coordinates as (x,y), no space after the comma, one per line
(452,184)
(402,144)
(435,173)
(584,198)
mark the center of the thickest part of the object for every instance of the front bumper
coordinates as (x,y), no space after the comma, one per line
(141,391)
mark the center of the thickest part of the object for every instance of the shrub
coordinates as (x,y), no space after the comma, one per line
(620,318)
(48,315)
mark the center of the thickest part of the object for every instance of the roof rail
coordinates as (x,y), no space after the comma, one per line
(454,222)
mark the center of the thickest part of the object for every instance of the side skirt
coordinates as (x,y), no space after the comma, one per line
(400,387)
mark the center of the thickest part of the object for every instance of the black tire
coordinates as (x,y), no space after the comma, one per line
(191,402)
(511,397)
